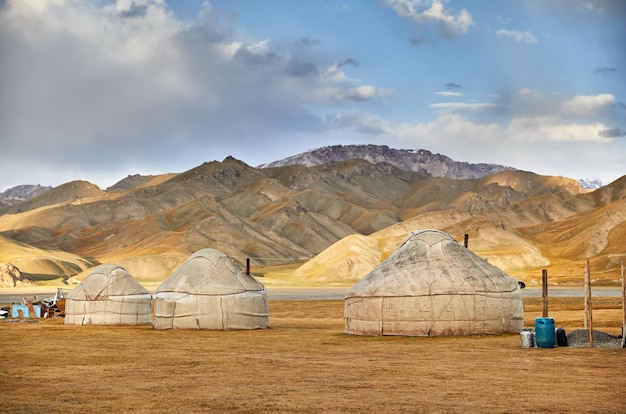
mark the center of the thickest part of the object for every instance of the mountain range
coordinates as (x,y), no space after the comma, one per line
(326,216)
(421,160)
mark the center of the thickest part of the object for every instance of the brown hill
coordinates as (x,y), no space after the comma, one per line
(345,216)
(525,223)
(69,192)
(136,181)
(36,265)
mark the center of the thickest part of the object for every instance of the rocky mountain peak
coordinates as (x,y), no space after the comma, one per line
(15,195)
(421,160)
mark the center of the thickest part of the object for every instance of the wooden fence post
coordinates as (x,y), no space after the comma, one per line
(544,291)
(623,308)
(586,301)
(588,304)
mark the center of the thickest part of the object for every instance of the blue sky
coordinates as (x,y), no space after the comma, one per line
(98,90)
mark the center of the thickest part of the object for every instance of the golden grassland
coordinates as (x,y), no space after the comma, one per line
(306,364)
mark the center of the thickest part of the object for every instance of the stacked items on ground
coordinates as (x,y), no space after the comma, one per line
(35,308)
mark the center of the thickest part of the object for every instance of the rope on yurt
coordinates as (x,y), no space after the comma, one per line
(173,313)
(222,311)
(499,291)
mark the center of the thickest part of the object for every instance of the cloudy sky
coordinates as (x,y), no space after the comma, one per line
(98,90)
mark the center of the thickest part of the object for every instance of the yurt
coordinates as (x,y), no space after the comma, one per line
(433,286)
(209,291)
(109,295)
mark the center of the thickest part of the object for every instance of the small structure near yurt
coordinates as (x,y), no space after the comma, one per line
(209,291)
(433,286)
(109,295)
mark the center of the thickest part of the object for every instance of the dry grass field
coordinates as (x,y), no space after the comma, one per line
(306,364)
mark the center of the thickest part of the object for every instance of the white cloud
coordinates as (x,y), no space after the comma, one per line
(362,93)
(457,128)
(543,129)
(90,88)
(259,48)
(587,104)
(333,73)
(448,93)
(522,37)
(129,83)
(420,12)
(363,123)
(464,106)
(546,145)
(528,103)
(358,94)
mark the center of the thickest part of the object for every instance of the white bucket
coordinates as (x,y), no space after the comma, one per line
(527,338)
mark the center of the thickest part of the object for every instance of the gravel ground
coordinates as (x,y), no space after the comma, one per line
(579,338)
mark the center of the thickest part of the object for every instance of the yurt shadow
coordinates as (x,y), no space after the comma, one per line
(109,295)
(433,286)
(209,291)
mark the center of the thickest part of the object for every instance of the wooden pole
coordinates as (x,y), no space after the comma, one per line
(588,304)
(623,307)
(623,297)
(585,294)
(544,291)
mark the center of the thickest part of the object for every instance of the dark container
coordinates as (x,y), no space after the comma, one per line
(561,338)
(544,332)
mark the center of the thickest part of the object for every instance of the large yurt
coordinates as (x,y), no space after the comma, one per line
(209,291)
(109,295)
(432,286)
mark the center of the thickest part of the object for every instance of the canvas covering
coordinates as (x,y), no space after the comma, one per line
(109,295)
(209,291)
(431,286)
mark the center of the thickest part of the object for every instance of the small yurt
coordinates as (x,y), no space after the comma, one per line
(209,291)
(109,295)
(432,286)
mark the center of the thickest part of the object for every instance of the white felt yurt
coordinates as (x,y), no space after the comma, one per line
(209,291)
(431,286)
(109,295)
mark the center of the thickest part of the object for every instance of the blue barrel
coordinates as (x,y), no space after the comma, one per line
(544,332)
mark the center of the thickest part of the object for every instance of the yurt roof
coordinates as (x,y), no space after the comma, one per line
(209,272)
(105,281)
(431,262)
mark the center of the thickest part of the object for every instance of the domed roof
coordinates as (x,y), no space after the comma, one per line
(209,272)
(431,262)
(106,281)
